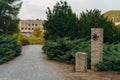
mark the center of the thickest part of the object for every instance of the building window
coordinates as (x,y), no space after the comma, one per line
(36,24)
(32,28)
(22,28)
(29,29)
(32,24)
(25,28)
(29,24)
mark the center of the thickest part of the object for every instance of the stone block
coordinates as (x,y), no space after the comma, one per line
(81,62)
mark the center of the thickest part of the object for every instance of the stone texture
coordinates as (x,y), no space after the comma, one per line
(96,46)
(81,62)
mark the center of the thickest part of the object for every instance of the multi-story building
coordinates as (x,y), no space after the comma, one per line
(27,26)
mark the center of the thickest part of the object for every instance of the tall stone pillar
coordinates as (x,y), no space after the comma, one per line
(96,46)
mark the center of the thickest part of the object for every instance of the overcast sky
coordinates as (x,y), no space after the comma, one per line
(35,9)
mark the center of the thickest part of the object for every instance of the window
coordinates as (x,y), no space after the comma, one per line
(32,24)
(36,24)
(29,29)
(25,28)
(22,28)
(29,24)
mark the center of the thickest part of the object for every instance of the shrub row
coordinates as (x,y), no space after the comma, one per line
(25,40)
(111,58)
(64,50)
(31,40)
(9,48)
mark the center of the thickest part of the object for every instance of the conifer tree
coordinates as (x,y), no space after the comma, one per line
(9,10)
(61,22)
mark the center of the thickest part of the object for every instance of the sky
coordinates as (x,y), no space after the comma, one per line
(36,9)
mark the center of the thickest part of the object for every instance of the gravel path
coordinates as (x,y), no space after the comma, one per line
(31,65)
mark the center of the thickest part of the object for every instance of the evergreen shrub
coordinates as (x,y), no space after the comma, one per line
(9,48)
(111,58)
(64,49)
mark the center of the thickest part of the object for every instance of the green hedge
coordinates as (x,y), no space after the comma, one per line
(111,58)
(26,40)
(64,50)
(9,48)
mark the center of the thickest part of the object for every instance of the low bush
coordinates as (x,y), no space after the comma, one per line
(21,39)
(9,48)
(35,40)
(64,50)
(111,58)
(25,40)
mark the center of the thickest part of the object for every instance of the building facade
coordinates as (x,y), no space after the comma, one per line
(27,26)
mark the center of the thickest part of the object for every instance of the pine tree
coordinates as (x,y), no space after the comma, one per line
(9,10)
(61,22)
(94,19)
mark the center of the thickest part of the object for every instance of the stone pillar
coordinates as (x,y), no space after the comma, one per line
(96,46)
(81,62)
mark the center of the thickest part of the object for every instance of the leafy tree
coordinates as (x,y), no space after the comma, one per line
(37,32)
(94,19)
(9,10)
(61,22)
